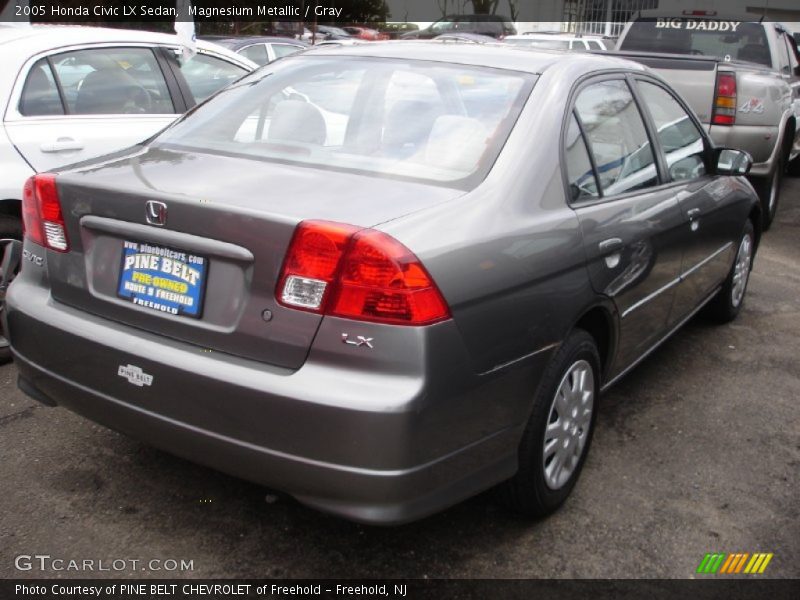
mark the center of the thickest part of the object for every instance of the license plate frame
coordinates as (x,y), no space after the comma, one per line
(163,279)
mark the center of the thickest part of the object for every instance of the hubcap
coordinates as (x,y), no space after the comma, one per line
(741,270)
(568,424)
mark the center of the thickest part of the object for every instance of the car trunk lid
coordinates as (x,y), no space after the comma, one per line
(207,235)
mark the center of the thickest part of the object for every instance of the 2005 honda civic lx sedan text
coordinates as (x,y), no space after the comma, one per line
(384,278)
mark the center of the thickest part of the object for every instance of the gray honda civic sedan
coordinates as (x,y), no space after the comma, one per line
(384,278)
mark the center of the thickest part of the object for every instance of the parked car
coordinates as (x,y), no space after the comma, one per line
(467,38)
(740,76)
(494,26)
(260,49)
(395,30)
(329,33)
(366,33)
(72,93)
(557,41)
(436,323)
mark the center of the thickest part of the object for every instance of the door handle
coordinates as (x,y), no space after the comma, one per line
(610,244)
(62,144)
(693,213)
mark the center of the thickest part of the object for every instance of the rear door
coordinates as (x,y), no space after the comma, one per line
(72,106)
(631,224)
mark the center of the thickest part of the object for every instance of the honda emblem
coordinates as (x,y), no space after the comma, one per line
(156,213)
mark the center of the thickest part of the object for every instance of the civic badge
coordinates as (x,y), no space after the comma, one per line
(156,213)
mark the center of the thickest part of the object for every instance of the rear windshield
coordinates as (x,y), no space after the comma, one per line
(727,40)
(410,119)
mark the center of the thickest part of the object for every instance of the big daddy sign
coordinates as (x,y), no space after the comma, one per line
(698,24)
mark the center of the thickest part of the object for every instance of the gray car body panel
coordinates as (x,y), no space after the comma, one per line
(428,415)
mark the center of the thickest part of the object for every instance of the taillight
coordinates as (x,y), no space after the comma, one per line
(366,275)
(43,222)
(724,112)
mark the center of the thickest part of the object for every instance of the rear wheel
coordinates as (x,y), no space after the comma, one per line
(559,432)
(10,228)
(728,302)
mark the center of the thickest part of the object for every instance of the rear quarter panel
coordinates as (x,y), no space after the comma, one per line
(508,256)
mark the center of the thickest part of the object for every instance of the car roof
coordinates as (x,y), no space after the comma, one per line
(242,41)
(517,58)
(29,40)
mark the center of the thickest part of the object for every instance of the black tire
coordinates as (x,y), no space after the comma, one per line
(528,491)
(793,167)
(765,186)
(10,227)
(724,308)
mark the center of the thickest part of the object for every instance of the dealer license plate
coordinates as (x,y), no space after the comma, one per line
(162,279)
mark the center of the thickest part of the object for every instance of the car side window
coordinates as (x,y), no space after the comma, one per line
(112,81)
(791,50)
(617,137)
(257,53)
(40,94)
(679,137)
(285,49)
(207,74)
(580,175)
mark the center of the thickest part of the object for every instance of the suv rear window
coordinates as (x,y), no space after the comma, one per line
(410,119)
(726,40)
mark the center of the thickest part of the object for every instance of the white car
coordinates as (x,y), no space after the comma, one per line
(557,41)
(71,93)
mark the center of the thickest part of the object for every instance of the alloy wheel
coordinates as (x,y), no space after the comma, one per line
(568,424)
(741,270)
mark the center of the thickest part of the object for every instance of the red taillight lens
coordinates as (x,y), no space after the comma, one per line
(381,280)
(332,268)
(724,112)
(42,219)
(311,264)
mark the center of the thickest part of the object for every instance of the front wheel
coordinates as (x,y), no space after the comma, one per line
(557,438)
(727,304)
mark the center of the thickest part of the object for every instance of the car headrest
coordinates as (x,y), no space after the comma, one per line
(409,122)
(106,91)
(297,121)
(456,143)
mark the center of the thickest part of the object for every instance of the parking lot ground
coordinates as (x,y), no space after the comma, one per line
(696,451)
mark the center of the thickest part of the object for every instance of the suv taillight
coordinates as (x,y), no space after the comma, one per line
(337,269)
(42,220)
(724,112)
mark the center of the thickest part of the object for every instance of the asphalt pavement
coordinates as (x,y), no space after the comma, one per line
(696,451)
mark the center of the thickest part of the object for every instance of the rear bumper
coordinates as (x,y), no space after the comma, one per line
(376,448)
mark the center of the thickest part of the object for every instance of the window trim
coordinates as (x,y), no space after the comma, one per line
(627,75)
(577,88)
(13,114)
(667,177)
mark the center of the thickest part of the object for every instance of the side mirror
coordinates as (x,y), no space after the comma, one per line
(732,162)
